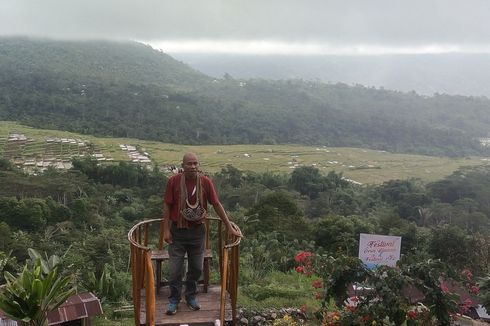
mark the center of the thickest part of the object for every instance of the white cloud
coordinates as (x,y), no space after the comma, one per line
(261,47)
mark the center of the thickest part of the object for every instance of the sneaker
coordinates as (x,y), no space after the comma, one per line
(193,304)
(171,309)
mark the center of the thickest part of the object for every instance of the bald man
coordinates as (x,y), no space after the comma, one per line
(185,206)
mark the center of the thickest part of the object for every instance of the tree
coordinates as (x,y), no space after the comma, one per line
(451,245)
(279,212)
(307,180)
(337,233)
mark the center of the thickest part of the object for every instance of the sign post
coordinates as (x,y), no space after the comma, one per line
(375,250)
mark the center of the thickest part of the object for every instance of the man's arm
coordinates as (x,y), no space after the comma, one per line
(167,236)
(220,211)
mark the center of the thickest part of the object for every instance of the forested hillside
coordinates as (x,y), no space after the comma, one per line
(83,215)
(131,90)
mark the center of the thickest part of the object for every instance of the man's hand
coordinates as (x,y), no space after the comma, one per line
(167,236)
(233,231)
(218,208)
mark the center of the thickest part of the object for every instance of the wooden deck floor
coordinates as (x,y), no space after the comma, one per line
(208,314)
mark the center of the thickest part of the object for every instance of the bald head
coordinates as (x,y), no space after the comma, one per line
(189,156)
(190,164)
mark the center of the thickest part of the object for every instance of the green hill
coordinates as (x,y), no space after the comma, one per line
(108,62)
(128,89)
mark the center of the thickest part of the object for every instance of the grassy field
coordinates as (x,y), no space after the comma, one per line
(361,165)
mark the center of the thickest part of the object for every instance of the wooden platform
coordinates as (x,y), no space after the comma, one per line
(209,313)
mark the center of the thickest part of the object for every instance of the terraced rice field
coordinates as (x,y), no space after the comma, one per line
(360,165)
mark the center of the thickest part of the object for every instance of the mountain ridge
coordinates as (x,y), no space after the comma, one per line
(63,87)
(426,74)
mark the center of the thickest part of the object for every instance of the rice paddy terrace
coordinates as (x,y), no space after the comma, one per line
(36,149)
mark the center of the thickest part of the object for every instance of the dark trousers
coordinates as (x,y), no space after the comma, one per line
(190,241)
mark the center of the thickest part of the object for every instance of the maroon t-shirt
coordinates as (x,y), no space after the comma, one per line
(172,193)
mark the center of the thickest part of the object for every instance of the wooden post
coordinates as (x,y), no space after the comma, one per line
(224,281)
(234,288)
(145,240)
(220,249)
(149,291)
(136,290)
(160,235)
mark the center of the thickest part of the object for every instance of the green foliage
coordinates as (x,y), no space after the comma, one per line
(123,174)
(5,236)
(27,214)
(406,195)
(110,285)
(382,298)
(37,290)
(91,209)
(451,244)
(427,276)
(279,212)
(7,263)
(484,285)
(341,234)
(131,90)
(307,180)
(5,164)
(277,290)
(260,292)
(267,252)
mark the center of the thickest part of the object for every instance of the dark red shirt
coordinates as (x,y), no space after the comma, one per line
(172,193)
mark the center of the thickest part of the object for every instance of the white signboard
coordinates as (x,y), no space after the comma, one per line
(377,249)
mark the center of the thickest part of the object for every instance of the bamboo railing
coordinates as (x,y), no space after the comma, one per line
(143,274)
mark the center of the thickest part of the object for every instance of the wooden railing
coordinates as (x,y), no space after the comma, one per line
(143,274)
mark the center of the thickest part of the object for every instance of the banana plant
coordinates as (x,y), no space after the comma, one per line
(34,292)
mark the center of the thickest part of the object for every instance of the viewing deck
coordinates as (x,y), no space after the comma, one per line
(150,292)
(208,315)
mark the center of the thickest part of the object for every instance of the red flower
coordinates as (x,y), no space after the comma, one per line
(303,256)
(317,284)
(474,289)
(444,288)
(299,269)
(303,309)
(318,295)
(467,273)
(365,318)
(412,314)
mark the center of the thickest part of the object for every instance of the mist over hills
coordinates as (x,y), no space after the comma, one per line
(126,89)
(426,74)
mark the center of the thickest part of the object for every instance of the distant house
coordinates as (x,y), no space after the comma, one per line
(76,310)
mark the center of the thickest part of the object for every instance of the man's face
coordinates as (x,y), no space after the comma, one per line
(190,165)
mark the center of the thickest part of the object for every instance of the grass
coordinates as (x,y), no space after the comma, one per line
(279,290)
(362,165)
(102,321)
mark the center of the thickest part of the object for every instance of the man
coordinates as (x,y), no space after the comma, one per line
(185,207)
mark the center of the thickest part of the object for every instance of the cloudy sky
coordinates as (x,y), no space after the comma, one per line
(261,26)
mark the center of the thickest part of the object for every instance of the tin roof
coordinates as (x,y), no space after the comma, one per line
(77,306)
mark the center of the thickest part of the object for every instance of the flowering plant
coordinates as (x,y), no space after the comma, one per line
(383,300)
(418,315)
